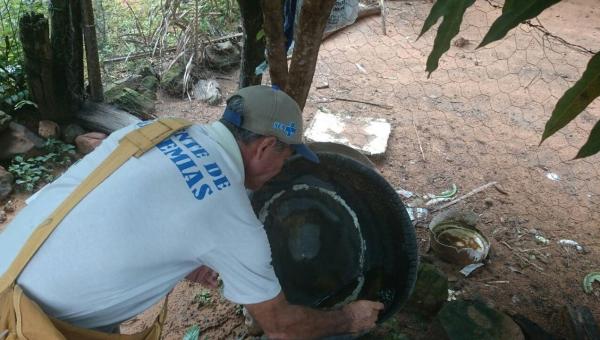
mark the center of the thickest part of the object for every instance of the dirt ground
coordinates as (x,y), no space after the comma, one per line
(477,119)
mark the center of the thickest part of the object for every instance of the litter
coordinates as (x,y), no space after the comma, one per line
(417,214)
(589,280)
(467,270)
(361,68)
(572,244)
(552,176)
(193,333)
(453,294)
(405,193)
(541,240)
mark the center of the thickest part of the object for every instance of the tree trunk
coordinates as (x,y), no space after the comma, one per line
(75,43)
(313,18)
(37,51)
(91,52)
(253,49)
(67,58)
(276,53)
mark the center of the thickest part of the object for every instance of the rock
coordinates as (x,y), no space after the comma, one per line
(19,140)
(70,132)
(148,86)
(132,101)
(172,80)
(6,183)
(208,91)
(86,143)
(473,320)
(431,290)
(48,129)
(5,118)
(222,56)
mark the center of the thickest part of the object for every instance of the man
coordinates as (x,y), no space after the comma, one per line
(157,219)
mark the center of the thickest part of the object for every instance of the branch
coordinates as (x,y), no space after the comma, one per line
(276,53)
(313,18)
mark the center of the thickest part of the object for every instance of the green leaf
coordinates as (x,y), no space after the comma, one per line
(260,34)
(576,99)
(513,13)
(452,11)
(592,146)
(192,333)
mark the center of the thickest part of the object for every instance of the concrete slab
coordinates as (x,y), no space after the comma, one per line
(365,134)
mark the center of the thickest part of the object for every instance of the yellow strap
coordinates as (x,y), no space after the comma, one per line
(134,143)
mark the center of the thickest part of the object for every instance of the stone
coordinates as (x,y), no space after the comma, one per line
(148,86)
(17,139)
(6,183)
(473,320)
(70,132)
(86,143)
(131,101)
(5,119)
(208,91)
(431,290)
(172,80)
(48,129)
(222,56)
(367,135)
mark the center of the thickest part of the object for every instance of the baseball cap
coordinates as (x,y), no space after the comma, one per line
(268,111)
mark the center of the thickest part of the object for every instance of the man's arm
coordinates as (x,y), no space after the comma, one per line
(280,320)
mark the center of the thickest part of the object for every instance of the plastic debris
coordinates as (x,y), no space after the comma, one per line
(467,270)
(552,176)
(541,240)
(589,280)
(405,193)
(193,333)
(442,197)
(572,244)
(417,214)
(361,68)
(453,294)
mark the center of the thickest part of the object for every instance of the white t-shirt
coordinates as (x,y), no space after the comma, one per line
(121,249)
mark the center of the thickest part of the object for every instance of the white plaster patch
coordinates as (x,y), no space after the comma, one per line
(365,134)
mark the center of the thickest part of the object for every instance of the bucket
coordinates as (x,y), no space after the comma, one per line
(338,233)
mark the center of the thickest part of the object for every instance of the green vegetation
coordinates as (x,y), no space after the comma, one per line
(204,298)
(31,172)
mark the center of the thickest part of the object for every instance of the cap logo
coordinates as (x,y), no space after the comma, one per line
(288,129)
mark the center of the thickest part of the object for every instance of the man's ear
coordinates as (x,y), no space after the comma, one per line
(264,145)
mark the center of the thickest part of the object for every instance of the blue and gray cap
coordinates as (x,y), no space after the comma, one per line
(271,112)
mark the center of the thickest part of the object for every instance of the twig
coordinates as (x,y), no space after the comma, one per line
(524,259)
(363,102)
(419,140)
(382,5)
(471,193)
(507,245)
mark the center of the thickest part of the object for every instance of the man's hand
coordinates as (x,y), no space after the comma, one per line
(363,314)
(280,320)
(204,276)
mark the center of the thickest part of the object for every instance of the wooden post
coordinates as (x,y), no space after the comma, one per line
(91,52)
(38,65)
(253,49)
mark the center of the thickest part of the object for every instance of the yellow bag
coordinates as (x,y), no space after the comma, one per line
(22,318)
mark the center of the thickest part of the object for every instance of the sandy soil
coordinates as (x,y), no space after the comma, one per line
(478,118)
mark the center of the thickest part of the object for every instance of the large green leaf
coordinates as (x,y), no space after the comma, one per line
(576,99)
(514,13)
(452,11)
(592,146)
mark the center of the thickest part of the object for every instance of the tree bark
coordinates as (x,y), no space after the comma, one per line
(312,21)
(252,49)
(37,51)
(67,58)
(91,52)
(276,53)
